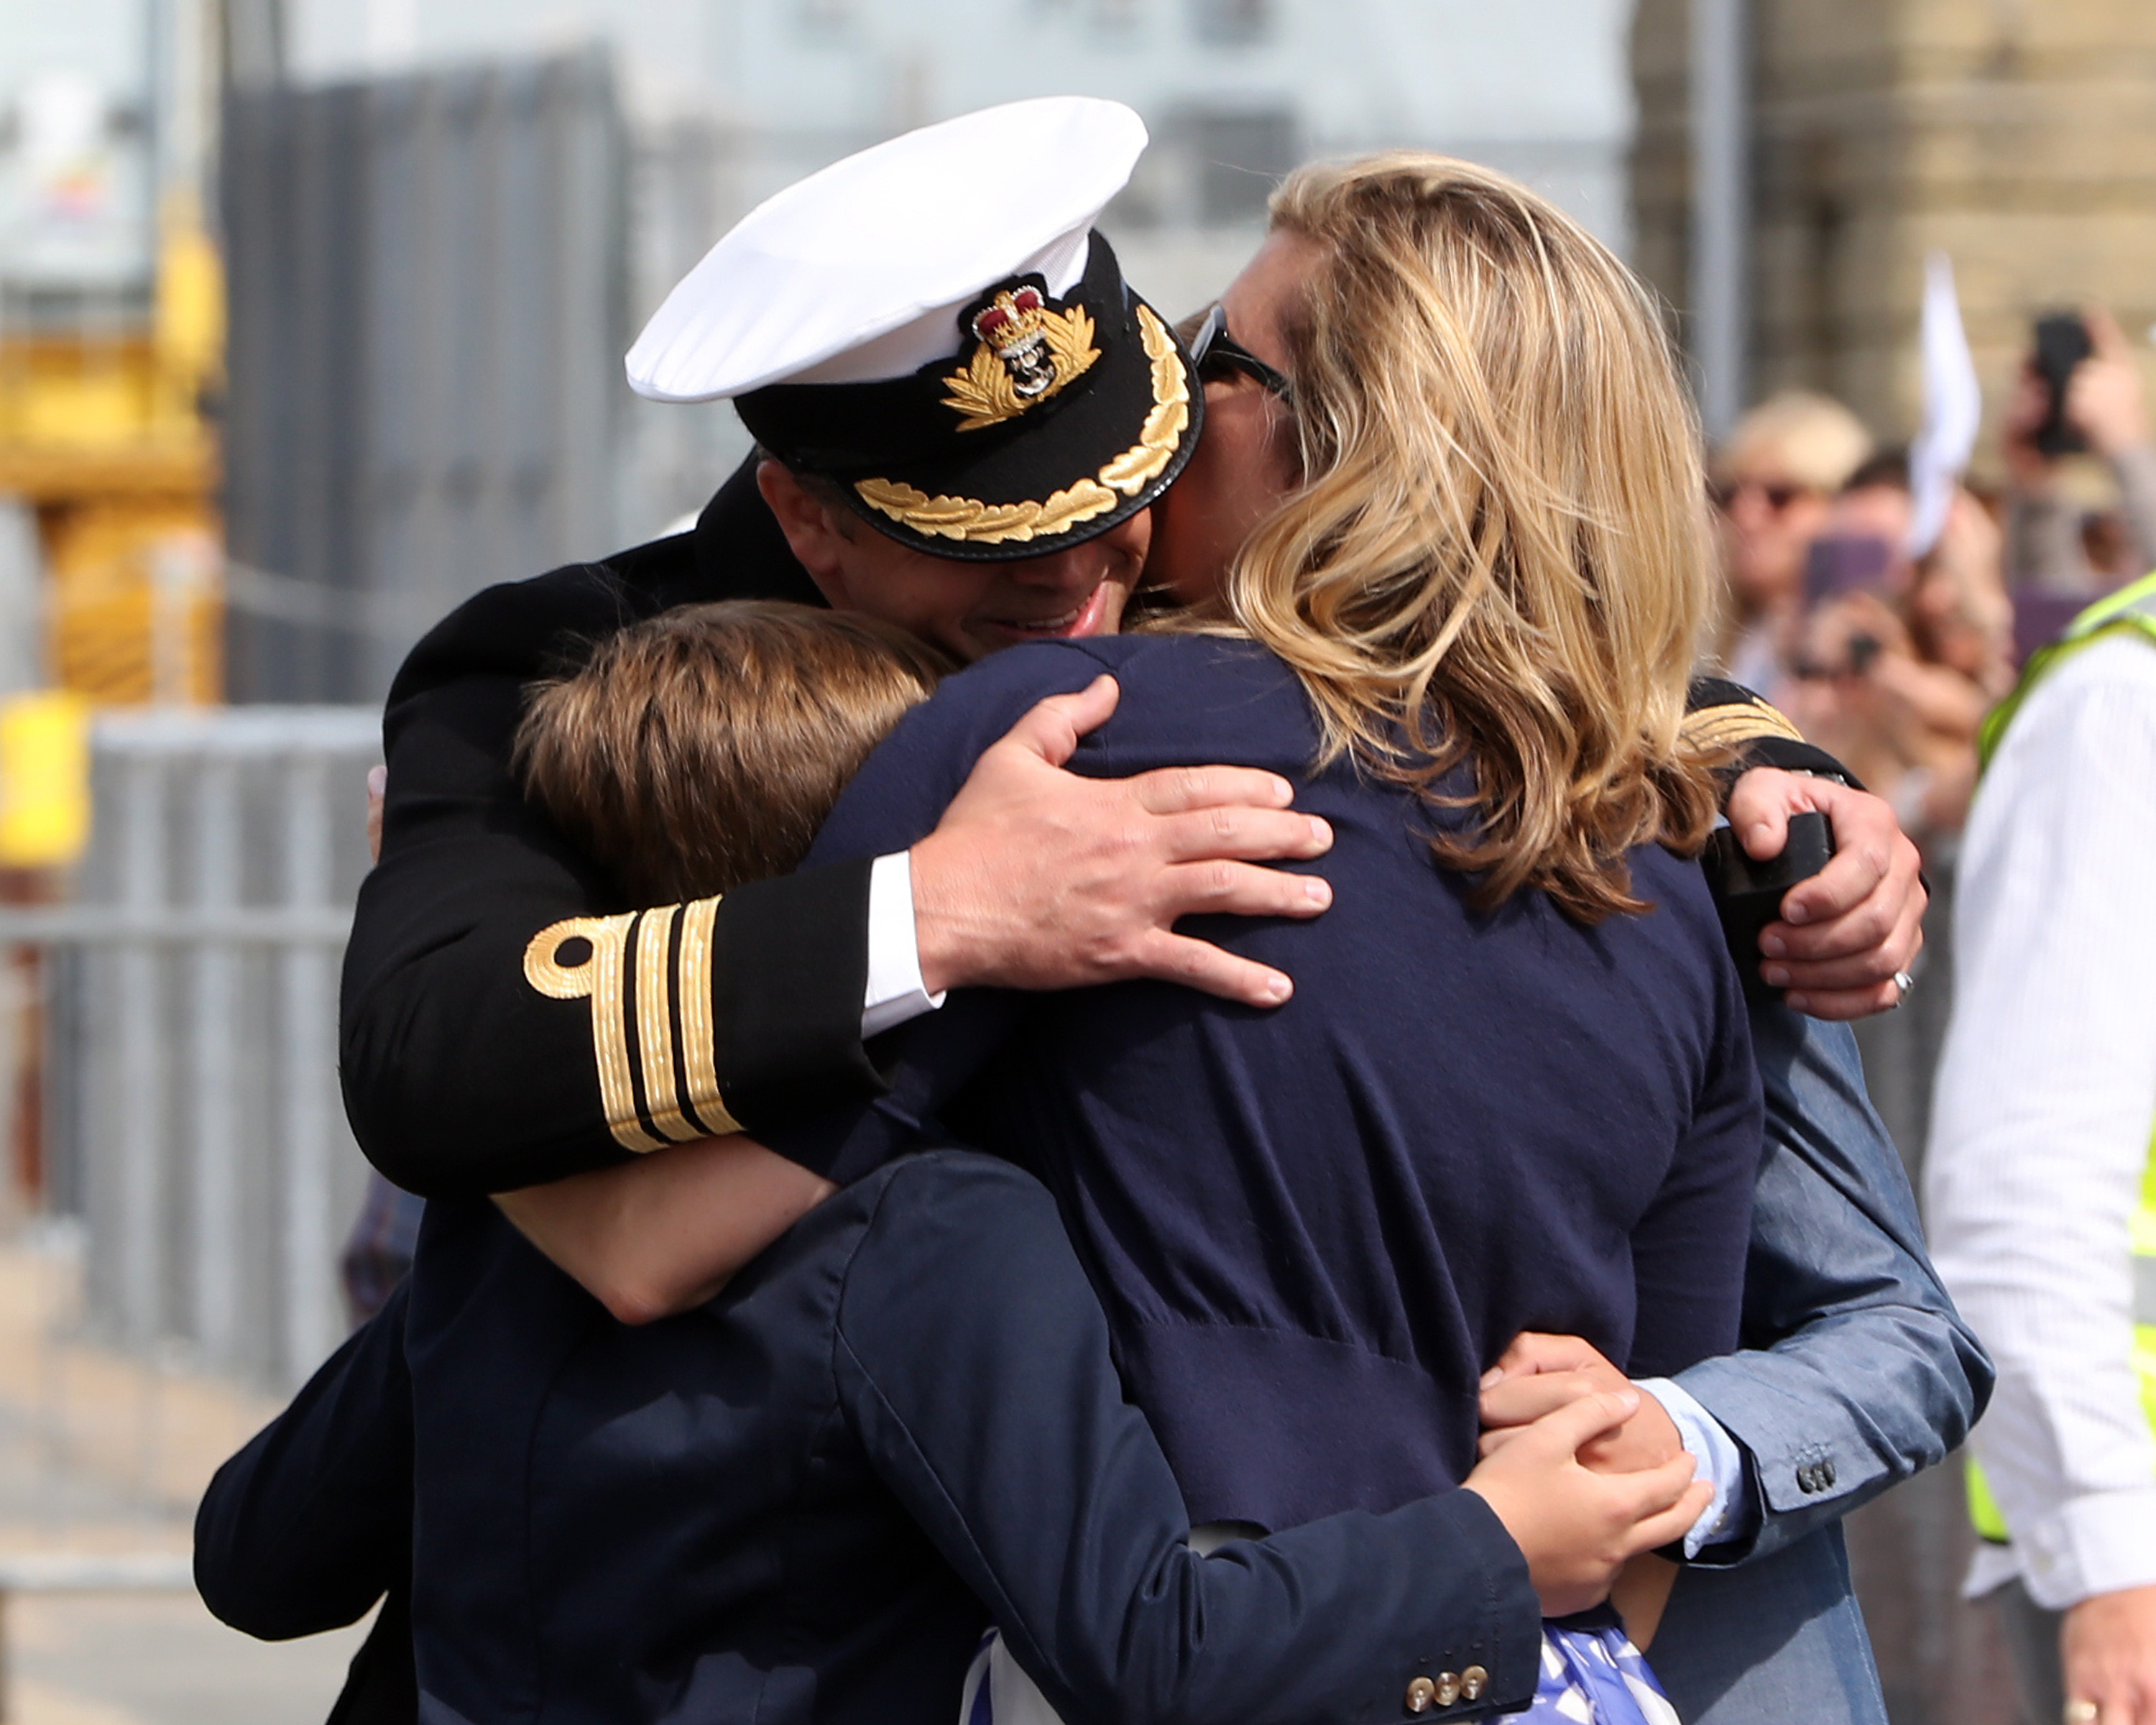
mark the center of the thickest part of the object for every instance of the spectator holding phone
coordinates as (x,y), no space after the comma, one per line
(1897,659)
(1775,482)
(2075,395)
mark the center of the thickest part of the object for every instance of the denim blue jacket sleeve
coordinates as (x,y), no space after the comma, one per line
(1856,1371)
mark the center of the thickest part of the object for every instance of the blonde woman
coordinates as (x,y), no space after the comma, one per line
(1862,1375)
(1514,1090)
(1452,472)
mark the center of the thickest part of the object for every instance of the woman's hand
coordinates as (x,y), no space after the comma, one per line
(1578,1527)
(1846,930)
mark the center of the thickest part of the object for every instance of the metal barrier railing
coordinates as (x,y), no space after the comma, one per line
(195,1122)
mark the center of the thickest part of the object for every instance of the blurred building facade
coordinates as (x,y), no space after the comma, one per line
(729,100)
(426,400)
(2019,136)
(427,317)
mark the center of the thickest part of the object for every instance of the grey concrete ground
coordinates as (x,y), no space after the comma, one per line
(162,1659)
(99,1455)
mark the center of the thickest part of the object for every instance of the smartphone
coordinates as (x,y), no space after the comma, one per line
(2062,343)
(1749,894)
(1839,563)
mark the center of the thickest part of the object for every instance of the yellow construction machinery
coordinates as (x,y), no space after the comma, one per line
(104,432)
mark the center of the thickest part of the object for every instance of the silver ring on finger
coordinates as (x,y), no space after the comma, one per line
(2080,1712)
(1903,982)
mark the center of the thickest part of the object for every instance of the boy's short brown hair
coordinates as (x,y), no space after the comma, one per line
(702,747)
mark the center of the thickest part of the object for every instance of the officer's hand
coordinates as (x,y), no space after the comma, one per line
(1846,930)
(2108,1646)
(1577,1528)
(1540,1374)
(1037,878)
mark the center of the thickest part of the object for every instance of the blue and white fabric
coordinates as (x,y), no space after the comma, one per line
(1592,1675)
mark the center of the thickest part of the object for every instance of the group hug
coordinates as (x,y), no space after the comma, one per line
(1080,1061)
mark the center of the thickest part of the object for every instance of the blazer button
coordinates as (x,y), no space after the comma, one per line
(1472,1683)
(1422,1695)
(1825,1475)
(1448,1689)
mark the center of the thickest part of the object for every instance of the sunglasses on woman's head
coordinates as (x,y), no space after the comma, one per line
(1215,355)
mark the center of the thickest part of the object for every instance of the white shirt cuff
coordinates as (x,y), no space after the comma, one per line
(1720,1463)
(2099,1543)
(896,990)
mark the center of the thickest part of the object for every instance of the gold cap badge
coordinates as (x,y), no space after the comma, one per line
(1025,350)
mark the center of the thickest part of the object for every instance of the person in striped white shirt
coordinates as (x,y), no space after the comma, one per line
(2038,1181)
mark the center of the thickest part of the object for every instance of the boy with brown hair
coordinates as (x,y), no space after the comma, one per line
(702,748)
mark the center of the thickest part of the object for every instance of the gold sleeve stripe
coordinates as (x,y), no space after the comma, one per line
(1736,723)
(598,979)
(654,1023)
(693,979)
(673,996)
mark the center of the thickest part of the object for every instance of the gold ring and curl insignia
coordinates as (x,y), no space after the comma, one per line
(1735,723)
(978,523)
(672,1006)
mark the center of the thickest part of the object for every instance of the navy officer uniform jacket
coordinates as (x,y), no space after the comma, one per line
(802,1501)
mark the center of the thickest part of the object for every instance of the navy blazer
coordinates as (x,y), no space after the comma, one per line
(802,1501)
(1315,1227)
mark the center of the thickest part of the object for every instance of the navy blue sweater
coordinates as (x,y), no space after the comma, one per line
(1314,1228)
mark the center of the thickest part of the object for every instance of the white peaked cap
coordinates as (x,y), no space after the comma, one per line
(857,273)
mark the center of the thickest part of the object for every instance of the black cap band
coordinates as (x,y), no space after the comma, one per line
(1057,419)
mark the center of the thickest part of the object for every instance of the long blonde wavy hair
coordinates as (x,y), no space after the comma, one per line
(1499,552)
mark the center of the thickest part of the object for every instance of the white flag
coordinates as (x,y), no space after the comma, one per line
(1953,408)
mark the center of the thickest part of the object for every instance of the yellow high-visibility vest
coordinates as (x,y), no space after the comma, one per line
(2131,609)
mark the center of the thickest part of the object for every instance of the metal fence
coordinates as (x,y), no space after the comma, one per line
(193,1121)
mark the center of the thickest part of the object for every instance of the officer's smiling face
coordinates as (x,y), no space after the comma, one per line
(969,609)
(1246,461)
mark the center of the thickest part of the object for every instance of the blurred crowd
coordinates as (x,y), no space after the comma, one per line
(1888,659)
